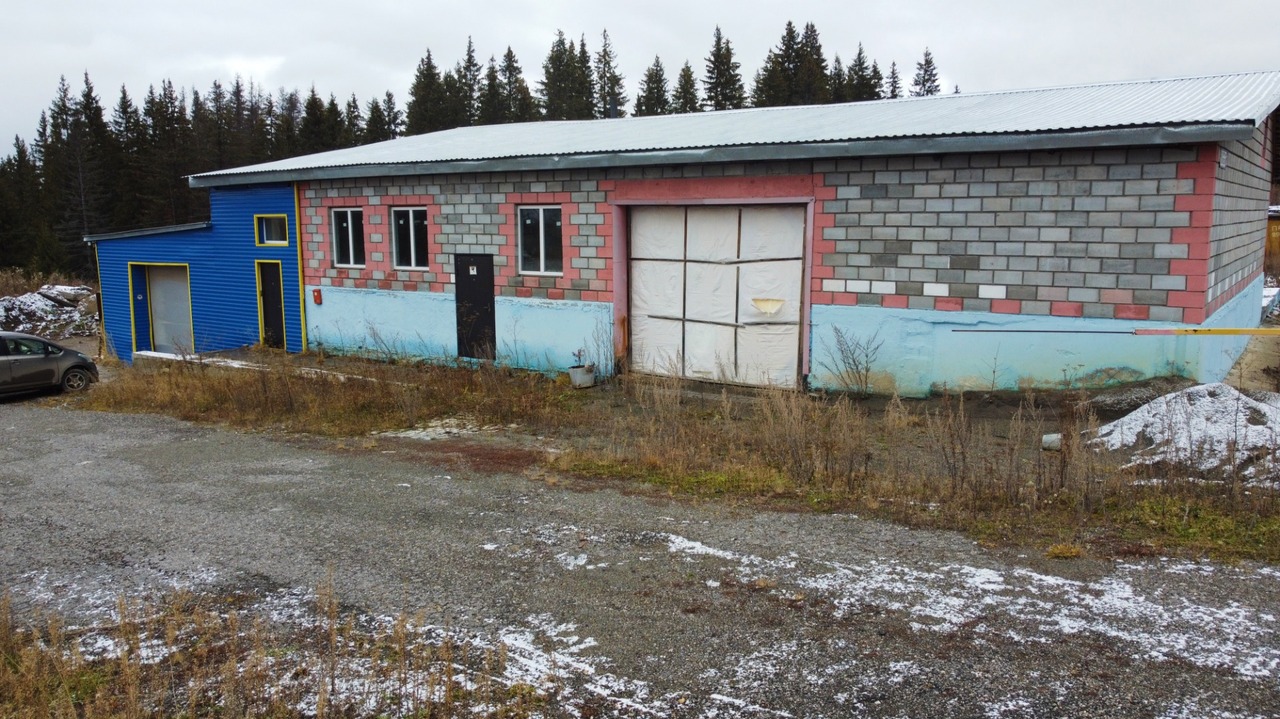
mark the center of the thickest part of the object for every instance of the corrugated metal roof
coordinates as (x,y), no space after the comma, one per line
(1217,104)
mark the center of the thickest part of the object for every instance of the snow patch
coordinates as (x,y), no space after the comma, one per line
(54,311)
(1207,428)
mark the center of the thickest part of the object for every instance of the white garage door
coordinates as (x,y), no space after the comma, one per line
(716,292)
(170,309)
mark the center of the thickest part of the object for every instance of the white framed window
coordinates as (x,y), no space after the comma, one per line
(270,229)
(409,237)
(348,237)
(541,248)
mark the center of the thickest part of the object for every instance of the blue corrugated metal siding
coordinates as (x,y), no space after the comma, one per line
(224,290)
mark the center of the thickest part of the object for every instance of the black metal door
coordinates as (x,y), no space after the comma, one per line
(271,299)
(474,294)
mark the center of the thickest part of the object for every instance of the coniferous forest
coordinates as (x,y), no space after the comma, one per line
(93,168)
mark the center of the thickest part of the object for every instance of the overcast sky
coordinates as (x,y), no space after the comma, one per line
(372,46)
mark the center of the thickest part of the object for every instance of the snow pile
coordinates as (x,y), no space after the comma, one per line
(1209,428)
(54,311)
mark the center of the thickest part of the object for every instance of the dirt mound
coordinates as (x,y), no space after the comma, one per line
(54,311)
(1211,429)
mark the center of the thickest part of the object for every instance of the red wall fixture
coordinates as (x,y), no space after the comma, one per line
(316,296)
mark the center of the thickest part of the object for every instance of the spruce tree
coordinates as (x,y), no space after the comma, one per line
(453,108)
(838,81)
(127,180)
(723,81)
(285,140)
(892,83)
(521,107)
(311,133)
(863,78)
(809,85)
(468,73)
(926,82)
(168,157)
(775,80)
(585,82)
(685,97)
(653,97)
(875,83)
(394,116)
(25,238)
(566,87)
(492,105)
(353,124)
(375,124)
(611,96)
(425,95)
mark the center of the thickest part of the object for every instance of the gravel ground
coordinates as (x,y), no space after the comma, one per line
(658,607)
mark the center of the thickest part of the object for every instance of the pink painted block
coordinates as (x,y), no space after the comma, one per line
(1197,170)
(1189,268)
(1198,283)
(824,272)
(555,294)
(894,301)
(1066,309)
(1190,203)
(948,304)
(822,298)
(1209,153)
(1116,297)
(1186,299)
(1193,315)
(1006,307)
(1132,312)
(1191,236)
(1202,218)
(844,298)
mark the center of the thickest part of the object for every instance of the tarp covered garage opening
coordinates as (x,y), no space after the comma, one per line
(716,292)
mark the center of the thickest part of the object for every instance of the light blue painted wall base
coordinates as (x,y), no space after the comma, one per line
(919,352)
(531,333)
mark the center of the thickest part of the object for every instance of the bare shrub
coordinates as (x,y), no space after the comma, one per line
(851,361)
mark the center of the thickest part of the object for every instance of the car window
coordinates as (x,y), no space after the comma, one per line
(26,348)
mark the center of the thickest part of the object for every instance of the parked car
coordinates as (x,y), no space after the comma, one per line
(31,363)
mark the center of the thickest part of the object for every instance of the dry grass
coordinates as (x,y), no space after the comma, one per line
(929,464)
(206,656)
(348,397)
(942,463)
(14,282)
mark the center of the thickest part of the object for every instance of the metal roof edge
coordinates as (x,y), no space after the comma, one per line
(929,145)
(125,234)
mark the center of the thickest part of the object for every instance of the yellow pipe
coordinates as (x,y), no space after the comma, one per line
(1265,331)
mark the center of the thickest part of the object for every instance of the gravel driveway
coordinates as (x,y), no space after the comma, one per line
(662,607)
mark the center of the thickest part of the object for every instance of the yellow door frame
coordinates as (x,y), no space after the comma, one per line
(262,324)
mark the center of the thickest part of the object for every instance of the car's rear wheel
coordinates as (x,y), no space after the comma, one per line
(75,380)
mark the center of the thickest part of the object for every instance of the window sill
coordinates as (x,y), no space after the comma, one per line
(541,274)
(410,268)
